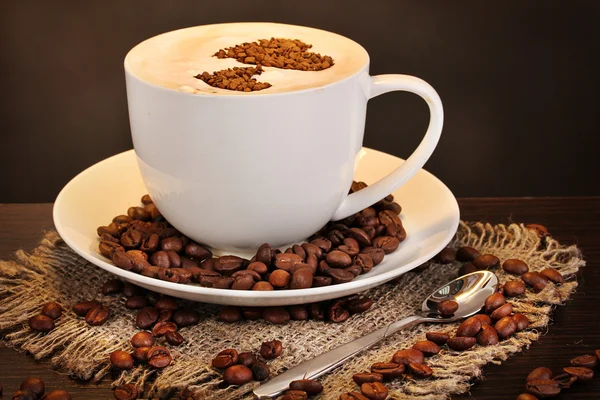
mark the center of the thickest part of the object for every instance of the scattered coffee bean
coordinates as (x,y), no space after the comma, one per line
(298,312)
(271,349)
(514,288)
(366,377)
(126,392)
(247,358)
(469,327)
(486,261)
(225,359)
(408,356)
(543,388)
(276,315)
(34,385)
(52,310)
(82,308)
(41,323)
(112,286)
(237,375)
(427,347)
(98,315)
(374,390)
(230,314)
(295,395)
(493,302)
(136,302)
(461,343)
(515,267)
(121,359)
(487,336)
(260,371)
(174,338)
(186,317)
(447,308)
(161,328)
(337,312)
(146,317)
(467,268)
(159,357)
(484,319)
(502,311)
(439,338)
(57,395)
(522,321)
(552,275)
(565,380)
(582,373)
(140,354)
(23,395)
(539,374)
(535,279)
(353,396)
(526,396)
(446,256)
(388,370)
(142,339)
(586,360)
(166,303)
(505,327)
(310,386)
(466,254)
(420,370)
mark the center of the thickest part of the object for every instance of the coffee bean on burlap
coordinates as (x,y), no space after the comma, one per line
(121,359)
(237,375)
(127,391)
(466,254)
(146,317)
(446,256)
(246,358)
(52,310)
(230,314)
(461,343)
(389,370)
(310,386)
(260,371)
(484,319)
(487,336)
(420,370)
(159,357)
(276,315)
(271,349)
(353,396)
(469,327)
(439,338)
(98,315)
(374,390)
(493,302)
(515,266)
(427,347)
(505,327)
(142,339)
(295,395)
(521,320)
(408,356)
(552,275)
(514,288)
(502,311)
(364,377)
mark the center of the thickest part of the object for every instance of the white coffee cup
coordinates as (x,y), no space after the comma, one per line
(235,170)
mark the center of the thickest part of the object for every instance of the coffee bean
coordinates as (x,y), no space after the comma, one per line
(142,339)
(186,317)
(427,347)
(286,261)
(439,338)
(247,358)
(461,343)
(388,370)
(420,370)
(469,327)
(505,327)
(374,390)
(165,316)
(535,279)
(540,230)
(375,253)
(252,313)
(365,377)
(484,319)
(446,256)
(260,371)
(82,308)
(121,359)
(310,386)
(353,396)
(146,317)
(486,261)
(174,338)
(225,359)
(280,278)
(466,254)
(543,388)
(258,267)
(112,286)
(586,360)
(521,320)
(108,230)
(359,304)
(301,279)
(166,303)
(243,282)
(447,308)
(23,395)
(338,259)
(34,385)
(150,244)
(493,302)
(514,288)
(159,357)
(552,275)
(467,268)
(151,271)
(130,289)
(336,312)
(57,395)
(52,310)
(388,244)
(339,276)
(502,311)
(271,349)
(360,236)
(107,248)
(320,281)
(263,254)
(582,373)
(565,380)
(487,336)
(263,286)
(526,396)
(98,315)
(227,265)
(354,270)
(126,392)
(237,375)
(161,328)
(295,395)
(364,262)
(197,251)
(336,237)
(276,315)
(515,266)
(540,373)
(230,314)
(408,356)
(298,312)
(136,302)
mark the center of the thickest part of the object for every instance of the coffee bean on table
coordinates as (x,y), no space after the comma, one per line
(493,302)
(565,380)
(41,323)
(126,392)
(526,396)
(543,388)
(540,373)
(237,375)
(33,384)
(159,357)
(461,343)
(225,359)
(466,254)
(23,395)
(365,377)
(121,359)
(374,390)
(552,275)
(586,360)
(446,256)
(521,320)
(484,319)
(447,308)
(271,349)
(502,311)
(439,338)
(427,347)
(535,279)
(247,358)
(408,356)
(514,288)
(230,314)
(389,370)
(52,310)
(469,327)
(505,327)
(295,395)
(582,373)
(146,317)
(57,395)
(514,266)
(487,336)
(82,308)
(310,386)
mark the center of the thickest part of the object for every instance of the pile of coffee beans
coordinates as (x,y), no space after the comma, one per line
(143,242)
(44,321)
(241,368)
(279,53)
(541,383)
(236,78)
(338,310)
(33,388)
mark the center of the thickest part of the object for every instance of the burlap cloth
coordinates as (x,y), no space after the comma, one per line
(52,272)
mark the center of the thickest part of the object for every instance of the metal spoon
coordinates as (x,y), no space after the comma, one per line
(469,291)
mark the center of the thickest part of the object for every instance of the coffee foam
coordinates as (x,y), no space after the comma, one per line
(173,59)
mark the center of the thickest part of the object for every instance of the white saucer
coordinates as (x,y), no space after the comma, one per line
(429,213)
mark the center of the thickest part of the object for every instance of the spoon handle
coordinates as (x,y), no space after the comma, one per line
(326,362)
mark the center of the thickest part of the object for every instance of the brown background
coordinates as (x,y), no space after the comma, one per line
(519,81)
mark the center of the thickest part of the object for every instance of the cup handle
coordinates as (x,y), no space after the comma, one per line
(373,193)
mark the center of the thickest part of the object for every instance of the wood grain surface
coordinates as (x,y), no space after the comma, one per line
(573,331)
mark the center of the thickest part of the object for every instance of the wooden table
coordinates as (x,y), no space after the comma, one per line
(575,328)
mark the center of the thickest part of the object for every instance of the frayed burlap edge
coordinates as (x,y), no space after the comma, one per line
(52,272)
